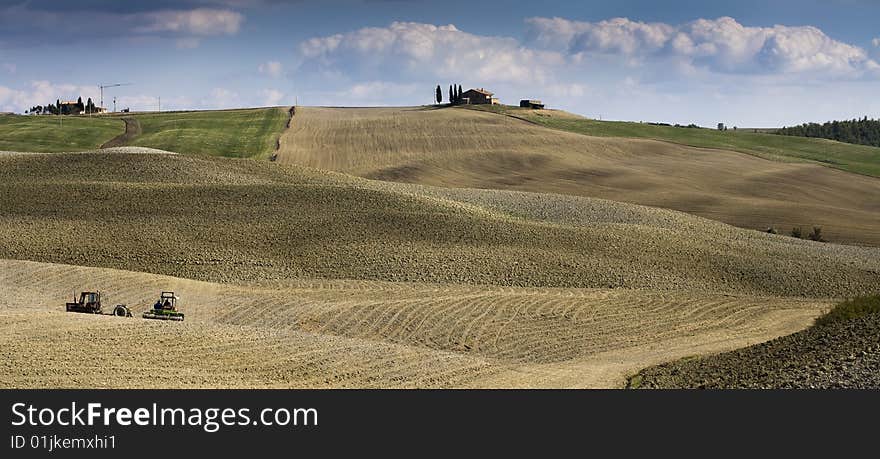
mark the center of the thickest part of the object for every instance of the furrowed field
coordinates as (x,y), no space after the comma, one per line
(410,247)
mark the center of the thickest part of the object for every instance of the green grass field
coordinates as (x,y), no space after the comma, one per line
(853,158)
(43,133)
(245,133)
(250,133)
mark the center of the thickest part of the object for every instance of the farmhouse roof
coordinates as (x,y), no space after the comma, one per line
(481,91)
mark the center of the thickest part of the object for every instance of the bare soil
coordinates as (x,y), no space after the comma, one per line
(350,334)
(834,356)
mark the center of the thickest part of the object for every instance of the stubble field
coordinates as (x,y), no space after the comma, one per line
(473,149)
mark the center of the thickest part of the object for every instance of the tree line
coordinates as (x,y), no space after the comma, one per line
(858,131)
(66,109)
(454,94)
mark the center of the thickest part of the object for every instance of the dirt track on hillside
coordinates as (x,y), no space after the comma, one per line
(132,130)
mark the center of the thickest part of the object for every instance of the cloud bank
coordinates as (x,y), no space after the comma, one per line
(54,23)
(200,21)
(721,45)
(428,50)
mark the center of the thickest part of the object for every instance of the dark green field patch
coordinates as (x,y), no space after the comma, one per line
(250,133)
(51,134)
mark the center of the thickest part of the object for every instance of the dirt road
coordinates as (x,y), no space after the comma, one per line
(132,130)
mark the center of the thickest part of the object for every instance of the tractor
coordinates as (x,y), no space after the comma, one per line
(90,303)
(165,308)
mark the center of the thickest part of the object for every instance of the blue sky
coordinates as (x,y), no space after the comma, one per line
(745,63)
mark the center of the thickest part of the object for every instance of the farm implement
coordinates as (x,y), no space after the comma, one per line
(90,303)
(165,307)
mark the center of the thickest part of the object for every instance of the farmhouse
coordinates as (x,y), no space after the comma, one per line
(69,107)
(76,107)
(531,103)
(478,97)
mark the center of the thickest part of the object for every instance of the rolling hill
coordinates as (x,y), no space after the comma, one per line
(299,277)
(227,220)
(493,252)
(474,149)
(840,351)
(51,134)
(860,159)
(356,334)
(246,133)
(243,133)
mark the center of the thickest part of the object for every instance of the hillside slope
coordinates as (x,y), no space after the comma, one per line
(298,277)
(244,133)
(51,134)
(861,159)
(473,149)
(355,334)
(839,351)
(229,220)
(240,133)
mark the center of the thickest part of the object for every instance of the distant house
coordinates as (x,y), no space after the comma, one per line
(73,107)
(531,103)
(478,97)
(69,107)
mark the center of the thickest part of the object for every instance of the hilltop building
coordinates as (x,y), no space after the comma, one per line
(531,103)
(69,107)
(75,107)
(478,97)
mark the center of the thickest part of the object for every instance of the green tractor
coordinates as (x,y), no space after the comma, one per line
(165,308)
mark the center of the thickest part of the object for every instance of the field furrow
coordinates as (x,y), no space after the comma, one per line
(359,334)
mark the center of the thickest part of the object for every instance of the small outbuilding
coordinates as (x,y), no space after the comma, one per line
(531,103)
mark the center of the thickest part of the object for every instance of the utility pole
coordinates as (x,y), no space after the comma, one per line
(114,104)
(160,103)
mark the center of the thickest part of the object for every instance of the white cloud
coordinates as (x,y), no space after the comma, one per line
(377,91)
(271,68)
(429,50)
(722,45)
(272,97)
(876,42)
(200,21)
(372,93)
(619,35)
(221,98)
